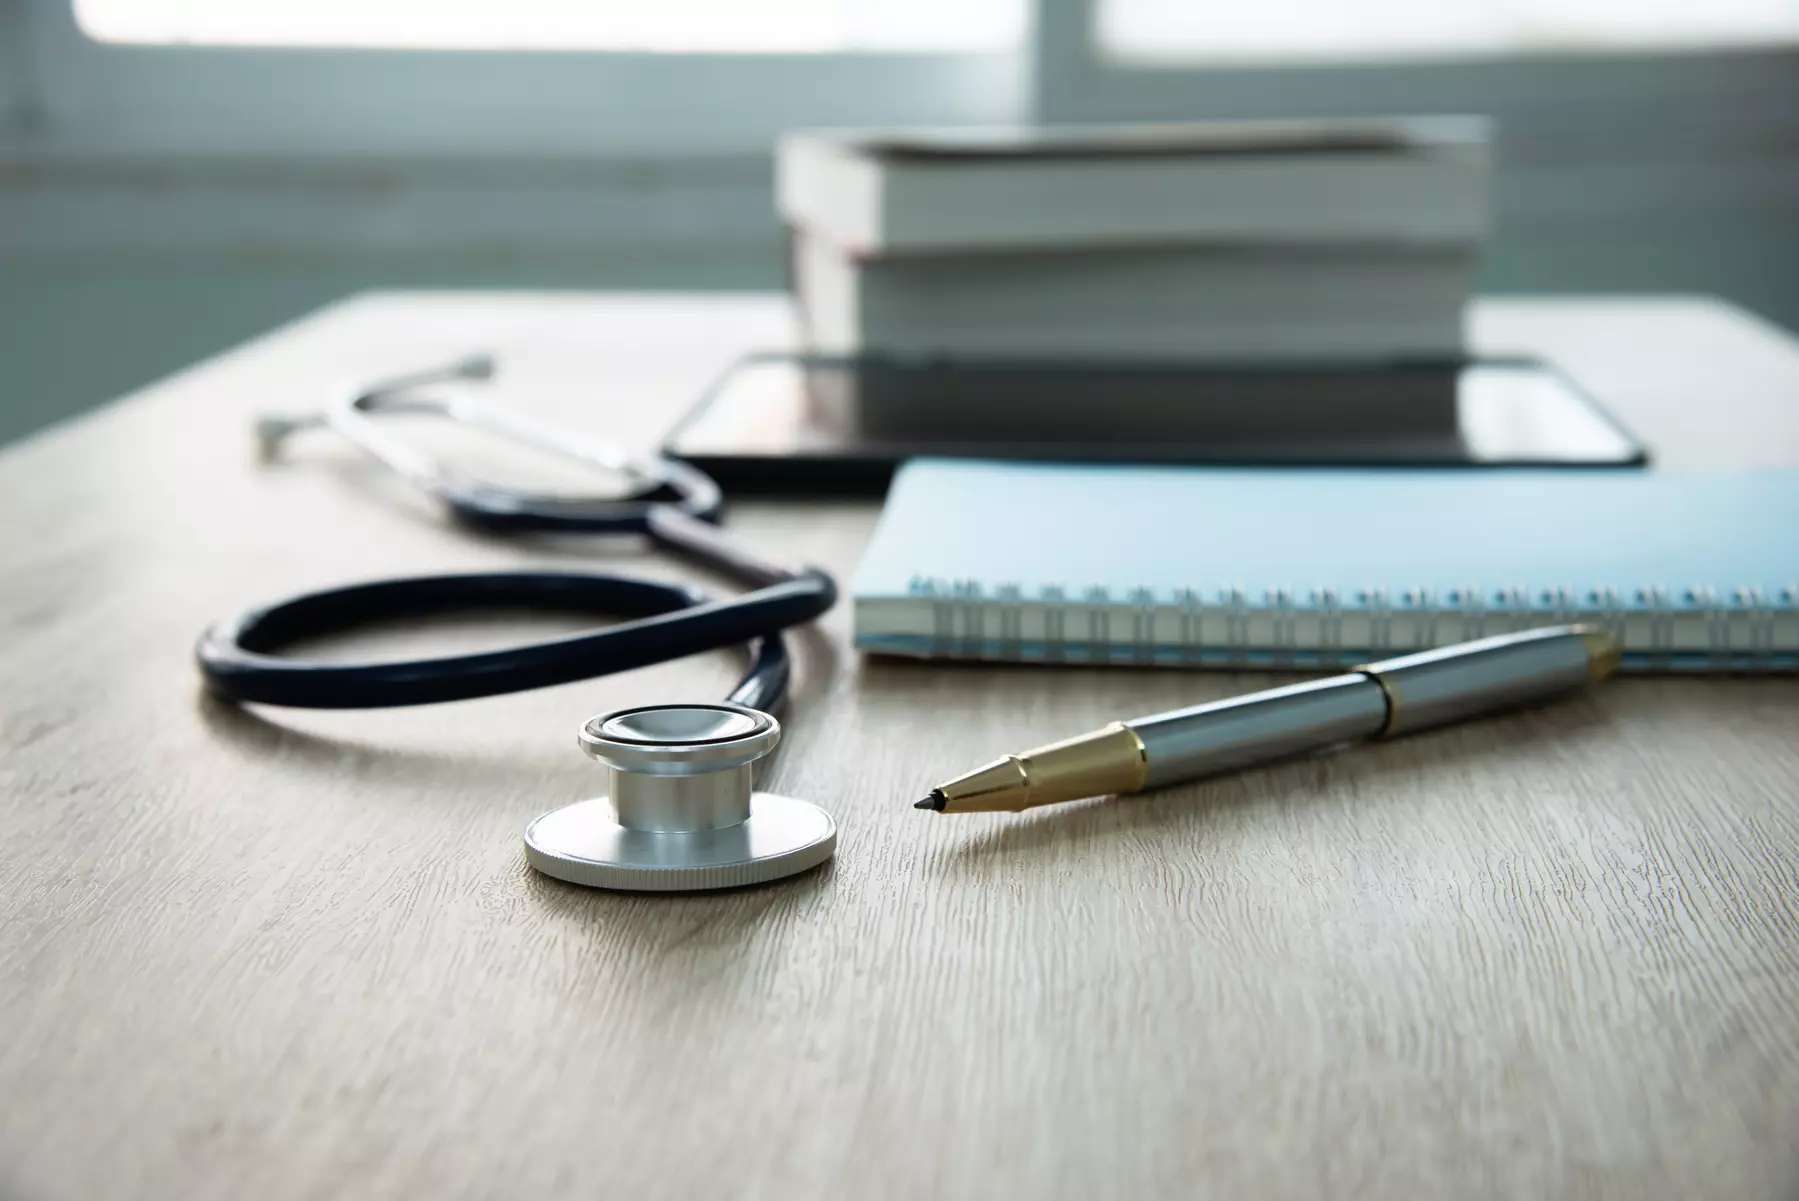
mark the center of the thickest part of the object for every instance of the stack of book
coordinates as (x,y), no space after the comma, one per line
(1269,241)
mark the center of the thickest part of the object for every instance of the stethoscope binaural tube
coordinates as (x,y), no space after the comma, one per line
(671,503)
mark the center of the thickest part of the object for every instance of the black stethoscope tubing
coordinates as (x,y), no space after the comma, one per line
(674,505)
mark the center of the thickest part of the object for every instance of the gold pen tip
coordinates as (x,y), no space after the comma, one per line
(934,802)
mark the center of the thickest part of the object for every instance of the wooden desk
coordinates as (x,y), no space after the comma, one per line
(299,955)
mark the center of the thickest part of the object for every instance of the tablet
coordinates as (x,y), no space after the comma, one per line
(791,424)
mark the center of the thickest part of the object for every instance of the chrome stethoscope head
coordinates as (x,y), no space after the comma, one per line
(681,813)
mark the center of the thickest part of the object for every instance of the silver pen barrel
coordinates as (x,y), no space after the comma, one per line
(1395,696)
(1226,735)
(1434,688)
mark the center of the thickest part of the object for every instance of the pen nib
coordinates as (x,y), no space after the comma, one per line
(933,802)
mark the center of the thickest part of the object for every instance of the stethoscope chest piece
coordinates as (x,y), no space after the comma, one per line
(681,813)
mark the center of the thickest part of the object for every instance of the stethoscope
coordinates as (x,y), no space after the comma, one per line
(681,812)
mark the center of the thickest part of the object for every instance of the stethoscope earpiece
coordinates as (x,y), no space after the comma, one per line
(681,813)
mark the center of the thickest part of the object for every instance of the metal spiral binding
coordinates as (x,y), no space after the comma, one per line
(1286,627)
(1055,623)
(1330,624)
(1514,605)
(1143,626)
(1717,631)
(1236,624)
(1761,624)
(967,597)
(1661,626)
(1380,621)
(1471,608)
(1608,609)
(943,615)
(1789,601)
(1421,603)
(1560,602)
(1732,629)
(1192,644)
(1099,625)
(1011,621)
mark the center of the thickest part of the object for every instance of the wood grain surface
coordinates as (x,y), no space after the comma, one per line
(284,955)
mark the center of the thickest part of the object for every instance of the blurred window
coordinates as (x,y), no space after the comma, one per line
(626,123)
(685,83)
(1174,32)
(671,26)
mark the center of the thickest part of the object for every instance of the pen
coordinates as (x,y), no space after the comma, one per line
(1395,696)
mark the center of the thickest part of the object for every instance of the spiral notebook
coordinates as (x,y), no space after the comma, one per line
(1696,571)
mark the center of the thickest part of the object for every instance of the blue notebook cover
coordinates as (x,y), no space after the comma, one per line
(1695,570)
